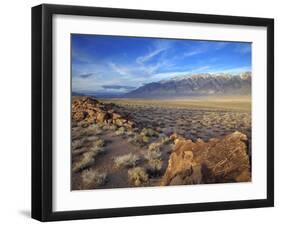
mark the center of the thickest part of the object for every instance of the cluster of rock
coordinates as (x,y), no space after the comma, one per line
(91,110)
(216,161)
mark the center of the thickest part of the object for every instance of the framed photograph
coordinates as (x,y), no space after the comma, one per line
(145,112)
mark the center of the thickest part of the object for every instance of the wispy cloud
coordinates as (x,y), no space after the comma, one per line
(192,53)
(204,47)
(139,73)
(149,56)
(122,70)
(201,69)
(158,47)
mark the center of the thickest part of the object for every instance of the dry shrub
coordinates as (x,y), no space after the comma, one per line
(113,127)
(93,138)
(79,151)
(130,133)
(155,154)
(145,139)
(99,143)
(93,130)
(74,124)
(120,131)
(154,146)
(136,140)
(148,132)
(95,126)
(164,139)
(97,147)
(84,125)
(78,143)
(86,160)
(155,166)
(131,140)
(154,158)
(97,150)
(76,134)
(153,151)
(128,160)
(138,176)
(93,178)
(106,127)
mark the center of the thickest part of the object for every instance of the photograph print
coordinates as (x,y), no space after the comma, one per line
(159,112)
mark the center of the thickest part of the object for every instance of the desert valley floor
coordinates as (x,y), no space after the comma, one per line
(137,142)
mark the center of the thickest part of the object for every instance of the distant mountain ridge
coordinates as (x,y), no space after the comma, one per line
(196,85)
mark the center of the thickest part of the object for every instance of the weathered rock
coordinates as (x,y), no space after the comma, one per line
(129,124)
(116,116)
(102,116)
(180,166)
(79,116)
(193,176)
(91,117)
(92,111)
(216,161)
(119,121)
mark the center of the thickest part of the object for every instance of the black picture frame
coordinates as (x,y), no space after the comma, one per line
(42,107)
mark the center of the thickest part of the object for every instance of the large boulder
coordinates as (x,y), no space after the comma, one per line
(220,160)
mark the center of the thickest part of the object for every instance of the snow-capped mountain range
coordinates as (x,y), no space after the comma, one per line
(196,85)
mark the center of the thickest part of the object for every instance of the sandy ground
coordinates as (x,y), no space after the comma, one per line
(118,177)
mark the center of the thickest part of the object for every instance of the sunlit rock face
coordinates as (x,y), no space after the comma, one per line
(220,160)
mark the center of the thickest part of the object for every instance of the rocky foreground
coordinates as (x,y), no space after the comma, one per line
(159,159)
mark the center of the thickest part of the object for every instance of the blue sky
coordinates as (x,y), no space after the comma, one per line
(116,64)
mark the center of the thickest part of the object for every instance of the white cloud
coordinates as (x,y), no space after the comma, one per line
(149,56)
(201,69)
(159,47)
(125,71)
(192,53)
(205,47)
